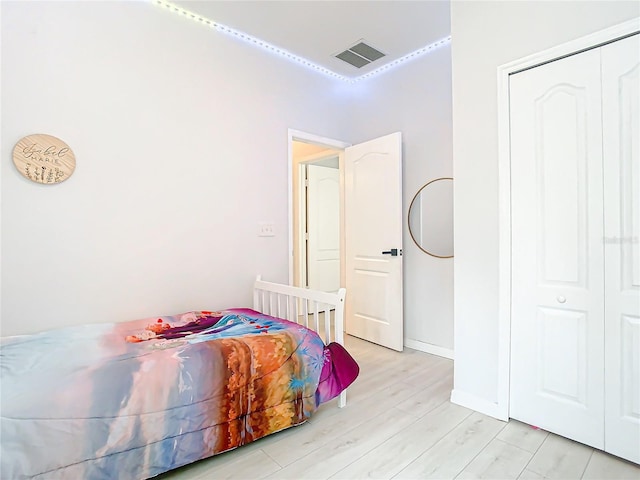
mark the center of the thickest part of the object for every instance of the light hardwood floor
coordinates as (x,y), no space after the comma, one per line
(399,423)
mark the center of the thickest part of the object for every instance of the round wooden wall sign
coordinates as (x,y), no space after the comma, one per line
(44,159)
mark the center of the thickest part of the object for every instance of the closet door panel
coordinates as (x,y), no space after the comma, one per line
(557,364)
(621,147)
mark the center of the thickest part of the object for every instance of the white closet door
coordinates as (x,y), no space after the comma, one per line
(323,227)
(621,128)
(557,364)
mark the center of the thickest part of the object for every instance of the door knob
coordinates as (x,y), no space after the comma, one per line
(561,299)
(393,252)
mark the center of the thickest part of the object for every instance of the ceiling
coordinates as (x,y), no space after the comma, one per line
(318,30)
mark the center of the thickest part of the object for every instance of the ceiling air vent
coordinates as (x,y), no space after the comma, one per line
(360,55)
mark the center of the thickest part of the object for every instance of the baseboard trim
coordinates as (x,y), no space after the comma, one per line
(428,348)
(478,404)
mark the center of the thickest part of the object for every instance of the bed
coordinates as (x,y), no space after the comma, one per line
(131,400)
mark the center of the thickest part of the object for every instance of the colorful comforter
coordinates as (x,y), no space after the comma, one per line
(132,400)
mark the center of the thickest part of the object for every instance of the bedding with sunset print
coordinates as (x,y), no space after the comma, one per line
(135,399)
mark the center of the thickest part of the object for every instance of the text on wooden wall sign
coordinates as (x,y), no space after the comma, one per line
(44,159)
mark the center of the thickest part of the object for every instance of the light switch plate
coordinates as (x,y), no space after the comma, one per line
(266,229)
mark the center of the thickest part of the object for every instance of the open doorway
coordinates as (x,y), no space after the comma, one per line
(316,216)
(316,212)
(370,189)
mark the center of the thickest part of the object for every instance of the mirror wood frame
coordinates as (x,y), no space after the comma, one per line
(409,217)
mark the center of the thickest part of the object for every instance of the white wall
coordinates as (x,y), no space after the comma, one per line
(416,100)
(486,35)
(180,135)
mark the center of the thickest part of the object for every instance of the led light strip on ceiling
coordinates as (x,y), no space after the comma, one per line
(293,57)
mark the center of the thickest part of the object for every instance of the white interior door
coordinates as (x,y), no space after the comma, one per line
(373,225)
(557,329)
(323,228)
(621,127)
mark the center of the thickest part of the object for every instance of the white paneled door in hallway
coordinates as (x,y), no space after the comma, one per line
(323,228)
(575,331)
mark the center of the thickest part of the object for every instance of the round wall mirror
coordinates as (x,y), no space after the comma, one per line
(431,218)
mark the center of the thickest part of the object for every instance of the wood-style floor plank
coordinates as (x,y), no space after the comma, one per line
(560,458)
(393,455)
(523,436)
(329,423)
(448,457)
(606,466)
(327,461)
(256,464)
(498,460)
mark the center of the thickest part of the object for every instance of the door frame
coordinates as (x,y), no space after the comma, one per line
(297,135)
(500,409)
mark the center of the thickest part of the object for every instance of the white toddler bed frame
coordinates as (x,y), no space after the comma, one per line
(310,308)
